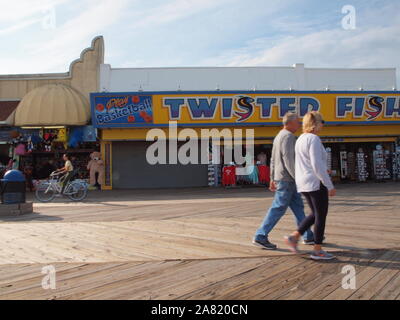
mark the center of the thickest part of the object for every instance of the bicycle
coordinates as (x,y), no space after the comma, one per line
(46,191)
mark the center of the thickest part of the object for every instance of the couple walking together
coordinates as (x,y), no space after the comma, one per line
(299,167)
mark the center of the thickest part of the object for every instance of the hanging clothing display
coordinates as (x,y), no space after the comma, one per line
(263,174)
(252,174)
(229,176)
(20,149)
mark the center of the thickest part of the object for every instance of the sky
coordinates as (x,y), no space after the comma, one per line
(40,36)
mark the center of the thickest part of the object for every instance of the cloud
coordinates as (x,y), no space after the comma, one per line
(171,11)
(19,26)
(17,11)
(368,46)
(329,47)
(53,50)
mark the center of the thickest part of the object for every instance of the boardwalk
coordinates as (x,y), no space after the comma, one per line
(196,244)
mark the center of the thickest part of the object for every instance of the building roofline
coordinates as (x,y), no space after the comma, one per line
(252,67)
(55,76)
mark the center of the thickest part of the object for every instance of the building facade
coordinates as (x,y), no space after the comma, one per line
(361,108)
(45,115)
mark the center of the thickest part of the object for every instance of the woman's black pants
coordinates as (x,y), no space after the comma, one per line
(318,202)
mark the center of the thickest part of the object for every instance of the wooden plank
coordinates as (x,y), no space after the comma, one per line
(247,285)
(329,278)
(168,284)
(364,276)
(391,290)
(379,280)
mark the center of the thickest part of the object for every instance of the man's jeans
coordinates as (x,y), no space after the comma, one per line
(286,196)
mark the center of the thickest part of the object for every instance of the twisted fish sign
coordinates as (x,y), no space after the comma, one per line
(261,108)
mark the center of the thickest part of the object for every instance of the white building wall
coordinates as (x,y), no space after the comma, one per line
(244,78)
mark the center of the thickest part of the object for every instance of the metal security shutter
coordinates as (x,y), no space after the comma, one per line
(131,170)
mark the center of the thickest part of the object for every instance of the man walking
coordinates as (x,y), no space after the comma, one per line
(283,184)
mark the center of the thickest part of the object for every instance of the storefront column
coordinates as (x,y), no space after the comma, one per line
(106,153)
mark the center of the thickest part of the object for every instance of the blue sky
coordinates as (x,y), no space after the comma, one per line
(149,33)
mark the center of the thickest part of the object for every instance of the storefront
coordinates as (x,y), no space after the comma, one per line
(41,150)
(354,120)
(50,121)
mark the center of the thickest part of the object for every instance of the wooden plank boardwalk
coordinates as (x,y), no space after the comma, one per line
(196,244)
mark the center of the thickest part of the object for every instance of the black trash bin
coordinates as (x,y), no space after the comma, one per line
(12,187)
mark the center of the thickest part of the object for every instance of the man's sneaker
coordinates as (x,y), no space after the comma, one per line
(322,255)
(292,243)
(310,242)
(264,244)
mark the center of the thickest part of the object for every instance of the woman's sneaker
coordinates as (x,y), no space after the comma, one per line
(292,242)
(265,244)
(322,255)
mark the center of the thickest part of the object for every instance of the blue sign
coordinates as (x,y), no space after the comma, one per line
(121,110)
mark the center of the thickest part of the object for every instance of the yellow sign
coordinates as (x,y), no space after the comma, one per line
(268,109)
(242,108)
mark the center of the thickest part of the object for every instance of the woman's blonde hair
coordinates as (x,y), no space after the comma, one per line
(312,121)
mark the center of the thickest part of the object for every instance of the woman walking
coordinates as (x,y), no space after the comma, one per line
(313,181)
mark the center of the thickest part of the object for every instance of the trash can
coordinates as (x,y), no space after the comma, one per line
(12,187)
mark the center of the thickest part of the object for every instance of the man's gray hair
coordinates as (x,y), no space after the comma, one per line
(289,116)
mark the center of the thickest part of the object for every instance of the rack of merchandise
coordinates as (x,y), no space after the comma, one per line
(229,176)
(329,158)
(351,163)
(388,165)
(379,163)
(41,150)
(335,166)
(43,161)
(396,163)
(343,165)
(361,165)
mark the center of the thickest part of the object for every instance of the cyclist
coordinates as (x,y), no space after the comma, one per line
(67,170)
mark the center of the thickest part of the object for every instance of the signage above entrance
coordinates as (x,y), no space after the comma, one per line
(121,110)
(255,108)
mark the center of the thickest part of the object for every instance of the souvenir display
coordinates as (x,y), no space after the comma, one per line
(379,163)
(388,165)
(229,175)
(263,173)
(362,173)
(343,165)
(351,166)
(329,158)
(96,169)
(396,163)
(30,146)
(48,139)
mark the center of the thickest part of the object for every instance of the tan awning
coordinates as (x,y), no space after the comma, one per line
(53,105)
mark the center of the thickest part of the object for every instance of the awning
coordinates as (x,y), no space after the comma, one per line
(53,105)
